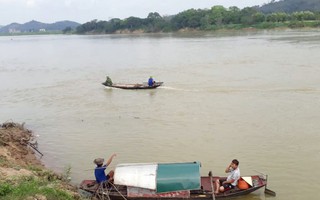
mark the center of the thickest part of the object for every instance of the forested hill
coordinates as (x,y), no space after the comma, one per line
(285,13)
(35,26)
(290,6)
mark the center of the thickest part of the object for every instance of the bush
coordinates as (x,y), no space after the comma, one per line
(315,24)
(265,25)
(296,24)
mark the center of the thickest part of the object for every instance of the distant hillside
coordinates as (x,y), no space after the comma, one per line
(290,6)
(35,26)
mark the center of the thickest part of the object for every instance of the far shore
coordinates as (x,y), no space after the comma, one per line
(181,31)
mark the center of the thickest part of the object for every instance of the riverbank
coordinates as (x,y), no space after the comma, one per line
(22,175)
(265,26)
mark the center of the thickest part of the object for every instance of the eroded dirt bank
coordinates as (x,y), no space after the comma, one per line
(20,164)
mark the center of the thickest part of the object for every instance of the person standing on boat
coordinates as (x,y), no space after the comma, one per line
(232,179)
(151,81)
(99,171)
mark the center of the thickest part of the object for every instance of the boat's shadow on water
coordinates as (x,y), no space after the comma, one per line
(109,91)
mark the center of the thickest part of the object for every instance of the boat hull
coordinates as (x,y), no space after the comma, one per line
(137,86)
(205,193)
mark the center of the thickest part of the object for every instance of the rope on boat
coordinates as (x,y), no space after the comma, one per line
(118,191)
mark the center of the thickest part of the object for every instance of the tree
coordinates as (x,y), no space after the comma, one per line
(304,15)
(233,15)
(188,19)
(258,17)
(67,30)
(87,27)
(113,25)
(154,15)
(133,23)
(247,15)
(218,14)
(154,22)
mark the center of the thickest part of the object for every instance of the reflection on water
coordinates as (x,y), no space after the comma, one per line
(250,96)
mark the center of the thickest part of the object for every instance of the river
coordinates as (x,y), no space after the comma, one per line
(254,96)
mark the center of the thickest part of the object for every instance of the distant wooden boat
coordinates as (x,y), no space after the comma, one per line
(167,181)
(136,86)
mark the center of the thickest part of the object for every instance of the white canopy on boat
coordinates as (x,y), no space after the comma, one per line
(137,175)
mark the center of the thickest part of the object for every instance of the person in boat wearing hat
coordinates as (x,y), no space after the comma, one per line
(108,81)
(151,82)
(232,179)
(99,171)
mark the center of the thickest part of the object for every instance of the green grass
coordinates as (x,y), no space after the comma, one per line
(34,168)
(5,188)
(29,187)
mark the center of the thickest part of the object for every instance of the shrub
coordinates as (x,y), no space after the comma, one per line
(296,24)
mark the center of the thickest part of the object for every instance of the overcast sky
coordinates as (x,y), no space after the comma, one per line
(49,11)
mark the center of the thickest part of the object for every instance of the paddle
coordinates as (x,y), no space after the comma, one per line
(212,188)
(268,191)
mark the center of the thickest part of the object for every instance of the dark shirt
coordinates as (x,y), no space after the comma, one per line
(100,174)
(150,82)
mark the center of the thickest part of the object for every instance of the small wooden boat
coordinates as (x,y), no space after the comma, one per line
(136,86)
(167,181)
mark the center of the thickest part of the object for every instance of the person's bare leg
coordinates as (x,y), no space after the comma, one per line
(111,174)
(217,186)
(221,189)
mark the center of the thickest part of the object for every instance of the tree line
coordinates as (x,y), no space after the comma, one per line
(204,19)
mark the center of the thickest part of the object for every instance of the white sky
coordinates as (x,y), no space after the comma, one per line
(49,11)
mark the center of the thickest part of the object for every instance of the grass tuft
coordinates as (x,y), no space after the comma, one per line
(30,187)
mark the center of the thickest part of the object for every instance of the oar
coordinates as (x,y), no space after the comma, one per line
(212,188)
(268,191)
